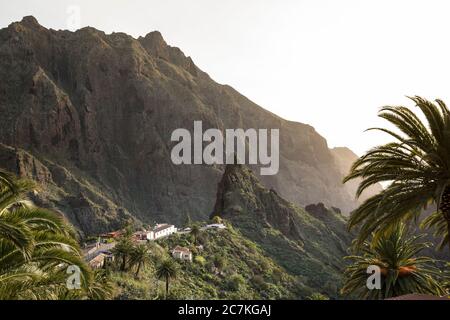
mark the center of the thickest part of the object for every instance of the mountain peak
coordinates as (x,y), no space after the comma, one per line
(344,150)
(241,193)
(155,44)
(155,37)
(30,21)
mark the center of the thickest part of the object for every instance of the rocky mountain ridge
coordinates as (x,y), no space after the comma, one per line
(101,108)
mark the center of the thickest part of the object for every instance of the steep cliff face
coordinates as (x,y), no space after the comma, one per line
(103,107)
(345,159)
(67,193)
(310,244)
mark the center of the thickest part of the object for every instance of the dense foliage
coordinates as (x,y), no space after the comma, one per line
(416,166)
(402,269)
(225,266)
(36,249)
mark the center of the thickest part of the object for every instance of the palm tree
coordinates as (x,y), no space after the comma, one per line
(101,287)
(196,231)
(402,270)
(7,180)
(36,247)
(188,220)
(167,269)
(123,250)
(436,222)
(11,230)
(416,164)
(139,257)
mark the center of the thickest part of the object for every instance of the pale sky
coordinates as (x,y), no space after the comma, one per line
(327,63)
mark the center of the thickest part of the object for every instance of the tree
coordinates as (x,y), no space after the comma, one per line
(436,222)
(36,247)
(167,269)
(219,262)
(101,287)
(195,232)
(402,271)
(123,250)
(188,220)
(416,164)
(7,181)
(139,257)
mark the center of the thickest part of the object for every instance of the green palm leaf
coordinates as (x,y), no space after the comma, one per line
(416,167)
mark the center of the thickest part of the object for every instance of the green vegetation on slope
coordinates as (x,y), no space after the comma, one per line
(228,266)
(311,246)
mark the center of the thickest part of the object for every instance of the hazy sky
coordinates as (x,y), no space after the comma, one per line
(330,64)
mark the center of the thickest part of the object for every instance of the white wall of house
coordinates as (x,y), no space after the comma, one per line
(182,255)
(152,235)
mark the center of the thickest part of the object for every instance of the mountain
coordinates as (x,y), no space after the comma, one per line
(309,243)
(68,193)
(345,158)
(90,115)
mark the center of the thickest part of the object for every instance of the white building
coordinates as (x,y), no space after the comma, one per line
(219,226)
(100,260)
(182,253)
(161,230)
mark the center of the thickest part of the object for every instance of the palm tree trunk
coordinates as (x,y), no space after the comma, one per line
(167,287)
(138,269)
(124,260)
(444,207)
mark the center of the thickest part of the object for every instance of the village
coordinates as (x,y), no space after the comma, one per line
(98,253)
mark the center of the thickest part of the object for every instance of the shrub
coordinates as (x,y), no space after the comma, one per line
(200,260)
(219,262)
(235,282)
(259,282)
(216,219)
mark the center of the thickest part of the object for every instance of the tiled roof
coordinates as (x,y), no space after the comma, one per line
(161,227)
(112,234)
(181,249)
(97,259)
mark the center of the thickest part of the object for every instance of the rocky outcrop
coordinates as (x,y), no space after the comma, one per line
(320,211)
(239,192)
(61,190)
(308,244)
(104,106)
